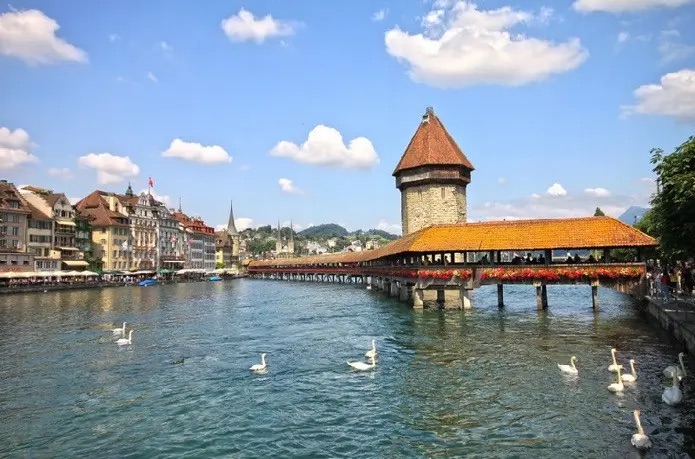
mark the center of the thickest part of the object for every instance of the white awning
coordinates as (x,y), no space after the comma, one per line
(67,249)
(75,263)
(66,222)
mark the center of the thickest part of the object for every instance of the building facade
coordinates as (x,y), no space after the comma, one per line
(14,222)
(432,176)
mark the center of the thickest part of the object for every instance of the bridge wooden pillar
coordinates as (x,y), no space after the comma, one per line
(500,294)
(594,294)
(393,291)
(541,296)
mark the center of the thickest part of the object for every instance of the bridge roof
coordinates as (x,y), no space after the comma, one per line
(512,235)
(432,145)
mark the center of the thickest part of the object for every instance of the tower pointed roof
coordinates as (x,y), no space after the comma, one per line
(231,227)
(432,145)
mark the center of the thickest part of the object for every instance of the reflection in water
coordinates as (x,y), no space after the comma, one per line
(479,382)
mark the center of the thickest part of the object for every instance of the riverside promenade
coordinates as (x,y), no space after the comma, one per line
(676,315)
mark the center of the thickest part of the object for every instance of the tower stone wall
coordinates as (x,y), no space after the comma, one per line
(432,204)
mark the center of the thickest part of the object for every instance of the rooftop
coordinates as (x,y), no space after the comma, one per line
(432,145)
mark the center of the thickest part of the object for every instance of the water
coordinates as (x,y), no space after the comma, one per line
(480,383)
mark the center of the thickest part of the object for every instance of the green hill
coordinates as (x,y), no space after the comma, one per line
(326,230)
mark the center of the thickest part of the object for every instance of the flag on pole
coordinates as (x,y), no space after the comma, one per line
(150,182)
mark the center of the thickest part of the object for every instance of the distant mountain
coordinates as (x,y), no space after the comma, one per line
(325,230)
(633,214)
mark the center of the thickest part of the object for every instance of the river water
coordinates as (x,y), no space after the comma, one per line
(479,383)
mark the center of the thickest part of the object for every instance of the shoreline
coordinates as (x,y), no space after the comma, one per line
(84,286)
(676,317)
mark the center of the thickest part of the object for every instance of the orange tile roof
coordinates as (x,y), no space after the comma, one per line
(513,235)
(432,145)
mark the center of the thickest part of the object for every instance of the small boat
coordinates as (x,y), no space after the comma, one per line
(215,279)
(147,282)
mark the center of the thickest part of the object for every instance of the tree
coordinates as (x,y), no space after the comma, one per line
(599,213)
(673,205)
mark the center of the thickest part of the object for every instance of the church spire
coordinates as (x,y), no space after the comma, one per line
(129,191)
(231,227)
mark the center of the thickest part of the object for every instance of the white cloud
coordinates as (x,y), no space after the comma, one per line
(74,201)
(623,37)
(14,149)
(163,198)
(620,6)
(674,96)
(502,180)
(111,169)
(113,38)
(243,26)
(324,146)
(393,228)
(380,15)
(63,173)
(166,47)
(193,151)
(672,48)
(462,45)
(31,36)
(556,190)
(549,206)
(152,77)
(597,192)
(295,226)
(288,186)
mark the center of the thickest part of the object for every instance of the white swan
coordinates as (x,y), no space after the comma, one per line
(363,366)
(613,366)
(259,366)
(569,369)
(119,331)
(631,377)
(124,341)
(672,395)
(679,371)
(617,387)
(372,352)
(640,440)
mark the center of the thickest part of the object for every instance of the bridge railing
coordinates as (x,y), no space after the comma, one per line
(508,274)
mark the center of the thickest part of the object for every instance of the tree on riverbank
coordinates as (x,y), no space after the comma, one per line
(672,217)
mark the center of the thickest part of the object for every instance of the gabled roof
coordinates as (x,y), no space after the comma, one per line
(96,207)
(36,213)
(9,192)
(513,235)
(432,145)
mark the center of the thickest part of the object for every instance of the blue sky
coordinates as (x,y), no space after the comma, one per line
(557,104)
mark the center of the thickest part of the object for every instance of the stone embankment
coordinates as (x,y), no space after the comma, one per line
(677,316)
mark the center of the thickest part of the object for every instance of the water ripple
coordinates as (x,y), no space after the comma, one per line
(480,383)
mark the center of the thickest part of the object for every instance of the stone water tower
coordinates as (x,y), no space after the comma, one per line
(432,176)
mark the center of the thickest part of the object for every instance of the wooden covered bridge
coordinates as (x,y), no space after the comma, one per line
(441,257)
(440,265)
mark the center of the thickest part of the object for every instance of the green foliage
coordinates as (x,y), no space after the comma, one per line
(327,230)
(599,213)
(260,245)
(219,265)
(673,206)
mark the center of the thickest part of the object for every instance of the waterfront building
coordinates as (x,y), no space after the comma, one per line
(40,238)
(14,219)
(111,236)
(199,242)
(59,250)
(432,176)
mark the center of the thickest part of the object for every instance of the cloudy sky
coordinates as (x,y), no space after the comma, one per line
(300,112)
